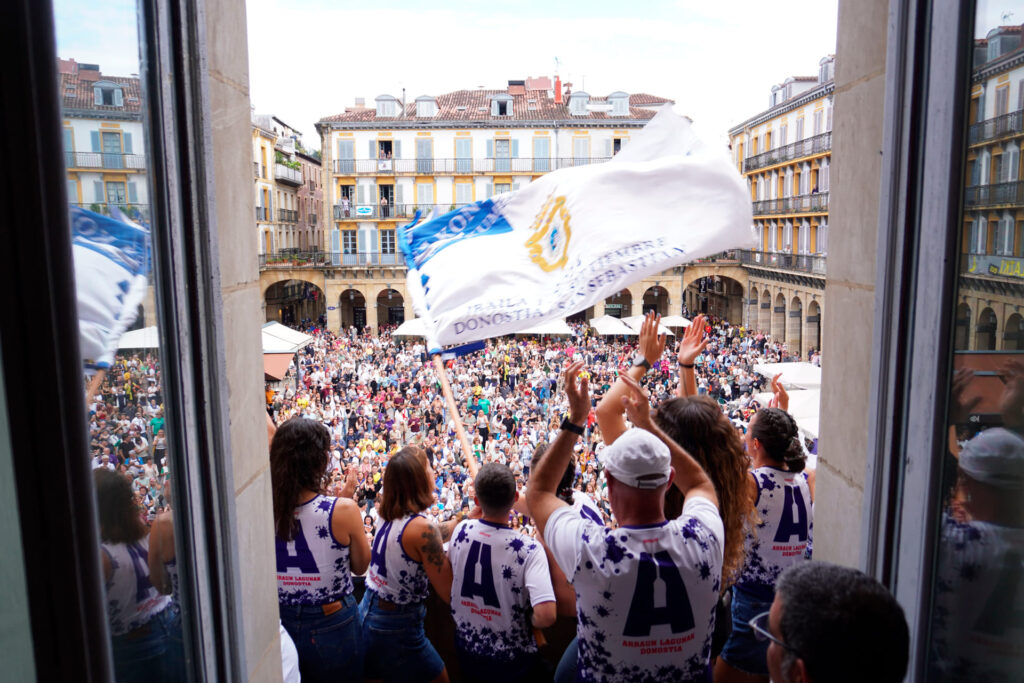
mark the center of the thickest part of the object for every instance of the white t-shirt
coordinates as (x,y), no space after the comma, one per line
(645,596)
(497,574)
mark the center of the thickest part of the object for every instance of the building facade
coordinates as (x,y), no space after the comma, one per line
(384,163)
(989,316)
(784,153)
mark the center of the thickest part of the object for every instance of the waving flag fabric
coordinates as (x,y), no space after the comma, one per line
(575,236)
(111,260)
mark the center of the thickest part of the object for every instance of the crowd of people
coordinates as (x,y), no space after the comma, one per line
(660,532)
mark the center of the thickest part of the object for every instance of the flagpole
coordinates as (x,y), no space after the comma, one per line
(449,398)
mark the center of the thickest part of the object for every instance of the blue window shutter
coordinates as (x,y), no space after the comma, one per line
(373,149)
(398,149)
(361,246)
(339,151)
(490,190)
(490,149)
(128,143)
(118,98)
(67,140)
(97,95)
(398,193)
(360,194)
(133,194)
(373,241)
(515,149)
(98,189)
(94,140)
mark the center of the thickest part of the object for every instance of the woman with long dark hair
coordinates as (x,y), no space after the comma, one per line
(145,626)
(408,557)
(783,493)
(320,543)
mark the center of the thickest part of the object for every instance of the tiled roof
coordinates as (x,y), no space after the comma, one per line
(475,105)
(77,93)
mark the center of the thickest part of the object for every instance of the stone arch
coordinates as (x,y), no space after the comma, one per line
(620,304)
(986,330)
(962,336)
(352,309)
(655,299)
(795,327)
(812,326)
(291,301)
(753,307)
(1013,336)
(764,317)
(779,318)
(390,308)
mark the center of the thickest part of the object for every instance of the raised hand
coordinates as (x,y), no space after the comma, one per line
(578,393)
(637,404)
(349,489)
(652,344)
(693,342)
(960,410)
(780,398)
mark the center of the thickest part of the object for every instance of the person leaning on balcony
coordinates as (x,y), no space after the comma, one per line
(319,544)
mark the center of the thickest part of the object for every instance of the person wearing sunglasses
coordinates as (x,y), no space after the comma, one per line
(832,624)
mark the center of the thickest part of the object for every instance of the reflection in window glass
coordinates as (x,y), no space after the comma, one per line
(978,607)
(108,191)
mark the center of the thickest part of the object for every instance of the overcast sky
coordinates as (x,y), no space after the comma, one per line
(312,58)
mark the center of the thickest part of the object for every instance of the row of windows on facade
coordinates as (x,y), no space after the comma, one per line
(500,105)
(101,142)
(792,87)
(106,192)
(810,239)
(1001,106)
(497,148)
(995,165)
(1002,237)
(802,181)
(425,193)
(769,140)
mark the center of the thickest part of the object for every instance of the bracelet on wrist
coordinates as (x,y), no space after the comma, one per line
(688,366)
(569,426)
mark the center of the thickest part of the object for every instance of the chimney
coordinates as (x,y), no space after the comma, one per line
(558,90)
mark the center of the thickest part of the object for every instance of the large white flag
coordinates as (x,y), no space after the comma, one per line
(575,236)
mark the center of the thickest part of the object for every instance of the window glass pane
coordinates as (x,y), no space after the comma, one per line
(104,107)
(977,624)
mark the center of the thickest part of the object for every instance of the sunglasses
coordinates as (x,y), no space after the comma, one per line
(760,626)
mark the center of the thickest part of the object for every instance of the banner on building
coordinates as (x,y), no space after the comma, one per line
(575,236)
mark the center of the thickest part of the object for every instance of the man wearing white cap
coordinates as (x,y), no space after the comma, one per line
(979,613)
(645,592)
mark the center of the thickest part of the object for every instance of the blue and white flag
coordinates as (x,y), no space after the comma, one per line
(111,260)
(575,236)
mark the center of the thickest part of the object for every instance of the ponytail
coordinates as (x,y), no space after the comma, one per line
(779,436)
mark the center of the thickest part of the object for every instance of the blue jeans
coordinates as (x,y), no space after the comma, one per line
(743,651)
(566,671)
(397,648)
(330,646)
(155,656)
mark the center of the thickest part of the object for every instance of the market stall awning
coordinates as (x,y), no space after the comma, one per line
(799,375)
(275,365)
(675,321)
(607,325)
(410,328)
(635,321)
(278,338)
(145,338)
(551,327)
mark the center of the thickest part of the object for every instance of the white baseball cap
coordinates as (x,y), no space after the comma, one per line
(995,457)
(638,459)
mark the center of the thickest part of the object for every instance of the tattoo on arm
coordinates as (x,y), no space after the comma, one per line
(432,548)
(447,528)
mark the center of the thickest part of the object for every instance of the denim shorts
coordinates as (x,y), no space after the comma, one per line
(154,657)
(743,651)
(330,646)
(396,646)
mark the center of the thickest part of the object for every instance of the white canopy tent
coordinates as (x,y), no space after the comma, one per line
(635,321)
(795,375)
(278,338)
(674,321)
(410,328)
(145,338)
(552,327)
(607,325)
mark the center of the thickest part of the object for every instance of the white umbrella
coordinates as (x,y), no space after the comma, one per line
(635,321)
(608,325)
(145,338)
(278,338)
(799,375)
(410,328)
(675,321)
(551,327)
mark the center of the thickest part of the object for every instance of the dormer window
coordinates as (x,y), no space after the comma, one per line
(620,103)
(107,94)
(826,69)
(578,103)
(387,106)
(426,106)
(501,105)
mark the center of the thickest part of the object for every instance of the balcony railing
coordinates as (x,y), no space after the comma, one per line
(287,216)
(805,203)
(262,214)
(806,263)
(319,259)
(135,212)
(389,212)
(290,176)
(801,148)
(1011,193)
(131,162)
(458,166)
(992,265)
(997,127)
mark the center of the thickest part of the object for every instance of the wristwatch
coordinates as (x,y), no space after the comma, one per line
(640,361)
(574,428)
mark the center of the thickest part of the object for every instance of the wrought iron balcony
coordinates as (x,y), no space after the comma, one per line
(1000,126)
(801,148)
(805,263)
(805,203)
(322,259)
(288,176)
(528,165)
(262,214)
(389,211)
(998,194)
(134,212)
(105,160)
(287,216)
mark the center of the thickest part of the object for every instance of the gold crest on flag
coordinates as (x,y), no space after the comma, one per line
(549,241)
